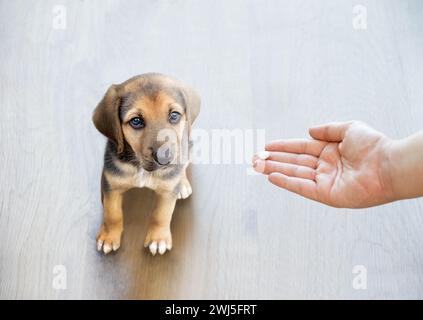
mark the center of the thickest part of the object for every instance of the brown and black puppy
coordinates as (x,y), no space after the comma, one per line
(147,120)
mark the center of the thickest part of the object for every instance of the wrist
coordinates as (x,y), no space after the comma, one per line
(395,169)
(406,169)
(386,177)
(389,170)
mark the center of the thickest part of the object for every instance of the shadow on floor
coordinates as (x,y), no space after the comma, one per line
(145,276)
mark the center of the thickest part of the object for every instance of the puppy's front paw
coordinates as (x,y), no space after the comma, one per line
(108,239)
(159,239)
(184,189)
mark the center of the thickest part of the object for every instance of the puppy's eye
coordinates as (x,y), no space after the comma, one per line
(174,117)
(137,123)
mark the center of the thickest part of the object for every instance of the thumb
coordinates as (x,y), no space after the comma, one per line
(333,132)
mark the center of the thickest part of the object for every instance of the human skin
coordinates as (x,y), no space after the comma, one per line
(346,164)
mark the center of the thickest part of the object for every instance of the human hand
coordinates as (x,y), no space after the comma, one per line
(346,164)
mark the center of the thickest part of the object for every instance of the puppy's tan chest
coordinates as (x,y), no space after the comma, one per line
(145,179)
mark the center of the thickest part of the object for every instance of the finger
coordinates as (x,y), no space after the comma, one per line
(304,146)
(262,155)
(286,157)
(293,158)
(303,187)
(334,131)
(288,169)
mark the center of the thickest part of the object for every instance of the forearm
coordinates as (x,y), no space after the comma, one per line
(406,167)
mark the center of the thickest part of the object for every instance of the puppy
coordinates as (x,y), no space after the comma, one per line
(147,120)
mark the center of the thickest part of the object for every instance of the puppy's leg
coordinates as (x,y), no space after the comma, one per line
(109,236)
(159,237)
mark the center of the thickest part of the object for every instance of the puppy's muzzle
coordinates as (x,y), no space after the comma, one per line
(158,158)
(162,156)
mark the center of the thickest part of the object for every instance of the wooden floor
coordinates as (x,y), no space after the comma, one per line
(275,65)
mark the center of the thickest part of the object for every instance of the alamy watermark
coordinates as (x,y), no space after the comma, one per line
(59,17)
(359,20)
(60,281)
(359,282)
(217,146)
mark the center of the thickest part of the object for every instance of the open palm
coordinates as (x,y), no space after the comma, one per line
(344,165)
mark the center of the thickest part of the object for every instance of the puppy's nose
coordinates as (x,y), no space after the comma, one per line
(162,156)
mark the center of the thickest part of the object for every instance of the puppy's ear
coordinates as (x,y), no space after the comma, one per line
(193,102)
(106,117)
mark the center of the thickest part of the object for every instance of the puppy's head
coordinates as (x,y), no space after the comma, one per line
(152,114)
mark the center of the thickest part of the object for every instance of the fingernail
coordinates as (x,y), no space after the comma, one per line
(259,166)
(263,155)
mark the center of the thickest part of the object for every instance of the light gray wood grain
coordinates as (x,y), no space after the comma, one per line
(277,65)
